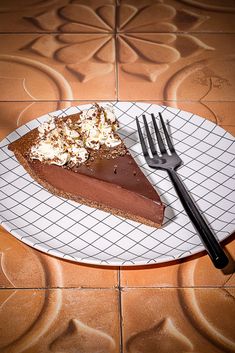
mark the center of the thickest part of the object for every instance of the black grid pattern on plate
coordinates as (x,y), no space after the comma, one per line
(73,231)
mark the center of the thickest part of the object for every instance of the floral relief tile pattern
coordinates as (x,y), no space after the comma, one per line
(59,320)
(65,66)
(81,16)
(137,16)
(172,16)
(172,67)
(178,320)
(158,66)
(66,16)
(59,53)
(127,34)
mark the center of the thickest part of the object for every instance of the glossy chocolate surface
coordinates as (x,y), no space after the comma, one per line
(107,191)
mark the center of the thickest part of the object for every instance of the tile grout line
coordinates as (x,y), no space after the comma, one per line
(115,31)
(116,68)
(116,50)
(120,289)
(117,91)
(91,100)
(59,288)
(120,310)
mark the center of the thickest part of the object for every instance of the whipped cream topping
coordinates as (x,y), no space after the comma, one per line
(67,141)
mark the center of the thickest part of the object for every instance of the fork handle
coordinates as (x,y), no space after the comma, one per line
(213,247)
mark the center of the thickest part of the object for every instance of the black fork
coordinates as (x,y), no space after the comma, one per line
(170,162)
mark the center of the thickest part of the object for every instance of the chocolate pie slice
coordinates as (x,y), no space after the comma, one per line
(82,158)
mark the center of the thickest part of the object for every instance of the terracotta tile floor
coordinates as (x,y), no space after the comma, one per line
(55,54)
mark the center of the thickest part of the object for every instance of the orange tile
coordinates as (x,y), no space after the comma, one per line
(57,67)
(163,275)
(172,16)
(57,16)
(88,276)
(193,271)
(176,67)
(221,113)
(23,267)
(178,320)
(204,15)
(200,272)
(14,114)
(58,320)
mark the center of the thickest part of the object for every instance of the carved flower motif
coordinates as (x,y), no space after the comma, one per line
(161,338)
(78,16)
(78,337)
(133,16)
(147,56)
(136,16)
(86,56)
(140,54)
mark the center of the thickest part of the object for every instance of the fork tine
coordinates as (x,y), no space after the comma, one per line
(171,147)
(159,138)
(150,140)
(143,145)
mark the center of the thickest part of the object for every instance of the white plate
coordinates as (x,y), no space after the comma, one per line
(76,232)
